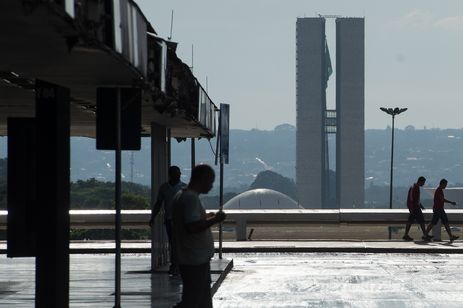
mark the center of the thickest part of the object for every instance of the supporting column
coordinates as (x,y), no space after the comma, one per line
(159,162)
(53,163)
(118,122)
(22,188)
(240,229)
(169,148)
(193,153)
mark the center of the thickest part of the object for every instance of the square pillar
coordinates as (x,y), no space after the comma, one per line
(159,166)
(53,164)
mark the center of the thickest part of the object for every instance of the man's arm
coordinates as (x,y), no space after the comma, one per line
(157,206)
(155,211)
(451,202)
(416,197)
(203,224)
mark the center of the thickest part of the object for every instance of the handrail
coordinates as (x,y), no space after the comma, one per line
(140,218)
(97,218)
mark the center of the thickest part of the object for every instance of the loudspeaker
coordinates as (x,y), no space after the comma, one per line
(106,113)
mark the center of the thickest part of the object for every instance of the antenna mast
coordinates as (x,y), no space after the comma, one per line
(192,57)
(132,162)
(329,16)
(171,25)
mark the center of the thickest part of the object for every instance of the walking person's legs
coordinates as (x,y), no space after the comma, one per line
(407,228)
(411,218)
(423,229)
(429,227)
(445,222)
(420,219)
(435,218)
(173,269)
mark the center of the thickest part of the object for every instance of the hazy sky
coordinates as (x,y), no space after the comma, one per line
(246,48)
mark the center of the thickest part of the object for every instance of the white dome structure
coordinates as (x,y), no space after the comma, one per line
(261,198)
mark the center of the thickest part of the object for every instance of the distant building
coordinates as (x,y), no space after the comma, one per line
(314,122)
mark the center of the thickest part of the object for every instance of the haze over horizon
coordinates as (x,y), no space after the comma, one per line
(247,52)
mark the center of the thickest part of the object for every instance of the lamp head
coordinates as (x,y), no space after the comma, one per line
(393,111)
(386,110)
(402,110)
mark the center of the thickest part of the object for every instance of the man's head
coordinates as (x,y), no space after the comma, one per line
(421,181)
(202,178)
(443,183)
(174,174)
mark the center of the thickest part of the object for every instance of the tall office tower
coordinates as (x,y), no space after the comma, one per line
(350,104)
(310,106)
(314,122)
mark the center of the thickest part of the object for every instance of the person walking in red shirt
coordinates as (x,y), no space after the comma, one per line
(439,212)
(414,207)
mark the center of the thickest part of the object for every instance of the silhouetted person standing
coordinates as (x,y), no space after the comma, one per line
(438,210)
(194,243)
(414,207)
(166,194)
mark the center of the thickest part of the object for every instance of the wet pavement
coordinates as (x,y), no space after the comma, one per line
(92,282)
(288,274)
(342,280)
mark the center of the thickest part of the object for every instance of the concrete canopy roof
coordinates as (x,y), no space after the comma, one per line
(41,41)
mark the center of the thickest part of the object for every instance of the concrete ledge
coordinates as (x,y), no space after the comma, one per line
(104,219)
(344,246)
(144,247)
(140,218)
(219,271)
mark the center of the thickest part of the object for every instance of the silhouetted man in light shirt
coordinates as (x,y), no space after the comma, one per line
(166,194)
(193,239)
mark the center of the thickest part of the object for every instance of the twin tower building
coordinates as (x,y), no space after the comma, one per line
(317,186)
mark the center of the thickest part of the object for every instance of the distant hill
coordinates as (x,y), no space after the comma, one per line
(250,153)
(434,153)
(272,180)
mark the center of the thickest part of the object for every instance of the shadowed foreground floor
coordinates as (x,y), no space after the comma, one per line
(92,281)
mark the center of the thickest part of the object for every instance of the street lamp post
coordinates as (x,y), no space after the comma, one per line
(393,113)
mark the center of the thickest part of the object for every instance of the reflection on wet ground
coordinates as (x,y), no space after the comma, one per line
(342,280)
(323,279)
(92,282)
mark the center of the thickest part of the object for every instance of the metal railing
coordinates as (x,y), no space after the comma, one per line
(138,219)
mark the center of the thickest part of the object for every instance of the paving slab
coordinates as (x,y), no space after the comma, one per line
(360,280)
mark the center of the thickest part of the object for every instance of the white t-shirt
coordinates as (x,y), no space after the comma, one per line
(192,248)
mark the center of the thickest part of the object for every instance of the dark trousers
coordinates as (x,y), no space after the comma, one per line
(196,281)
(172,257)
